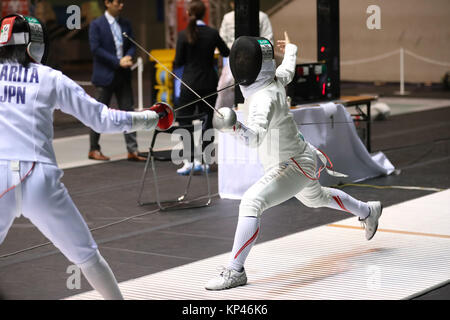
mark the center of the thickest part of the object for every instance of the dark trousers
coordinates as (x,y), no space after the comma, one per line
(121,88)
(195,111)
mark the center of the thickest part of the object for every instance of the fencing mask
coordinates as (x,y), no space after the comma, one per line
(34,37)
(248,57)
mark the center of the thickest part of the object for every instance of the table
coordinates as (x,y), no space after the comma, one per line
(356,101)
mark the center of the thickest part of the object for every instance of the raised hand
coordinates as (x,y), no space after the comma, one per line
(281,44)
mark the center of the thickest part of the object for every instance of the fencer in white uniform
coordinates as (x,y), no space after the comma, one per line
(290,163)
(30,180)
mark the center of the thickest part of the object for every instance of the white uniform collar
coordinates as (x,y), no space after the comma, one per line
(201,23)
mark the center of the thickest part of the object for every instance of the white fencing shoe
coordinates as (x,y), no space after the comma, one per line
(185,169)
(228,278)
(370,224)
(198,167)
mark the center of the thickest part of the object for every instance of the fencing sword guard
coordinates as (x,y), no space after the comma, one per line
(227,121)
(166,115)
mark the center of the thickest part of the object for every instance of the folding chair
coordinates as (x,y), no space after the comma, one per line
(179,202)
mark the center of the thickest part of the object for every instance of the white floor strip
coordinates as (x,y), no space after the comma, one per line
(410,253)
(72,152)
(402,105)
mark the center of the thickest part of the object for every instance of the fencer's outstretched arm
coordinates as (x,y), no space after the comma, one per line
(73,100)
(286,71)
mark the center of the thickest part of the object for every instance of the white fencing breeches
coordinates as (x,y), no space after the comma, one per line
(287,180)
(46,202)
(283,182)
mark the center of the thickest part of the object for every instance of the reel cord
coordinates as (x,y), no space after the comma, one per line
(339,186)
(107,225)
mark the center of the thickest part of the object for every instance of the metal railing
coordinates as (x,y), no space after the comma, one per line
(401,52)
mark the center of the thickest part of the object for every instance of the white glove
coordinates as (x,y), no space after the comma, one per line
(144,120)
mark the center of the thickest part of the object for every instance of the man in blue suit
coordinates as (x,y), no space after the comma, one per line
(112,74)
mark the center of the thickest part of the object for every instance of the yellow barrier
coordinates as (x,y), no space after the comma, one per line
(163,79)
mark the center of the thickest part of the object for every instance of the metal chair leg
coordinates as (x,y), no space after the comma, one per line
(144,175)
(186,190)
(155,179)
(207,183)
(181,199)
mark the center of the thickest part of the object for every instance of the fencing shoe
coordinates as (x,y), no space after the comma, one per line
(186,168)
(199,168)
(228,278)
(370,224)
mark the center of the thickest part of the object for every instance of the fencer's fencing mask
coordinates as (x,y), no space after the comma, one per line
(35,37)
(247,56)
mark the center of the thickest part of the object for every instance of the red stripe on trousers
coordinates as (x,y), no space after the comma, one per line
(340,203)
(247,243)
(306,175)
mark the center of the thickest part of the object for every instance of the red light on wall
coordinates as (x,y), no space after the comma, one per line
(317,78)
(323,89)
(322,49)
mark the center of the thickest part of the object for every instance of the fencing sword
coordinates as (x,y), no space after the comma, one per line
(329,122)
(173,74)
(207,96)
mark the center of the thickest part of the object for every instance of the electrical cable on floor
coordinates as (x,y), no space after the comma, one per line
(387,187)
(109,225)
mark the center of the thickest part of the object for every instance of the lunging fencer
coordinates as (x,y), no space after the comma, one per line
(290,171)
(29,176)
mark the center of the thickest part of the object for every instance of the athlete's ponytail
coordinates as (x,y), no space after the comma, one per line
(196,11)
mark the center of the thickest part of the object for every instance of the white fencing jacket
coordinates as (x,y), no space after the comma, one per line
(270,125)
(28,97)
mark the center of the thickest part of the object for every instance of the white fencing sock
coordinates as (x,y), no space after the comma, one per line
(342,201)
(247,231)
(101,278)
